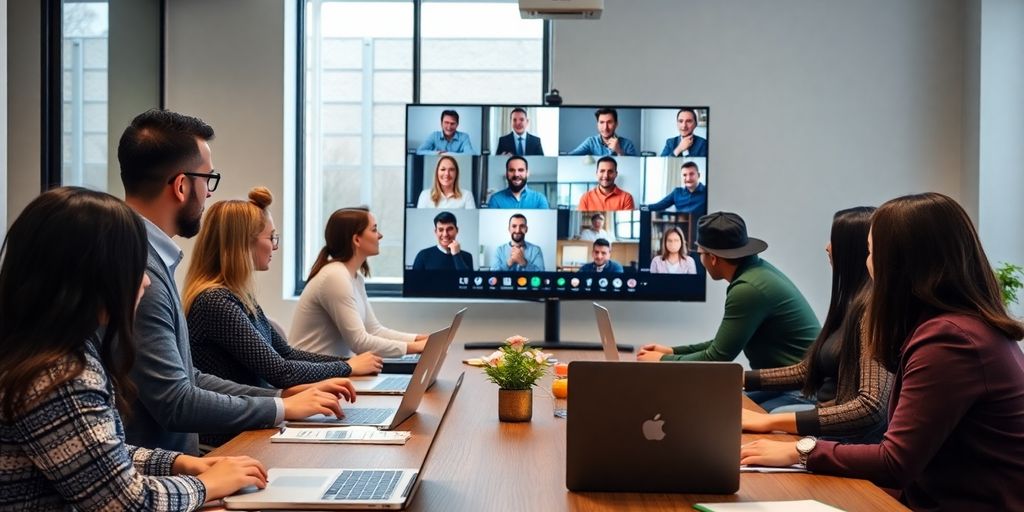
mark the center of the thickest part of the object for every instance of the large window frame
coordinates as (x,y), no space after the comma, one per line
(376,289)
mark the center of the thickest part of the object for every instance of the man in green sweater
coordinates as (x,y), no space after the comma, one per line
(766,317)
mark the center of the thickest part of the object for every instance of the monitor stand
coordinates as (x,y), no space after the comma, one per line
(552,339)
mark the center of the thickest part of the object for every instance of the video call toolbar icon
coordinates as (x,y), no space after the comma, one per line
(631,283)
(603,282)
(575,282)
(506,281)
(521,281)
(590,282)
(478,280)
(493,281)
(617,282)
(535,281)
(561,281)
(463,280)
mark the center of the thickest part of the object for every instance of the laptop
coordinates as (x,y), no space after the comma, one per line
(604,327)
(671,427)
(337,489)
(387,412)
(396,384)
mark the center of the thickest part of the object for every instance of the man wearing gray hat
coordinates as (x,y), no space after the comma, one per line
(766,317)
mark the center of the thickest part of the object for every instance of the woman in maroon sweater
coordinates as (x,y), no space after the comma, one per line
(956,417)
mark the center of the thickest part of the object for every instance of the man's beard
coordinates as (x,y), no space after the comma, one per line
(189,219)
(514,188)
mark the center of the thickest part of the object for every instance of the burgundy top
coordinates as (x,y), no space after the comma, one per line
(956,422)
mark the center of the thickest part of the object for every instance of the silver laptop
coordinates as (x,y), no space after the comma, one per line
(397,383)
(387,412)
(672,427)
(604,327)
(337,489)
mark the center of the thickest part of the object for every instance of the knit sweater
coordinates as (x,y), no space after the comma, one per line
(68,451)
(231,343)
(766,317)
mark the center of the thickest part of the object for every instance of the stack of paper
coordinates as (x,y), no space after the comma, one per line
(767,506)
(344,435)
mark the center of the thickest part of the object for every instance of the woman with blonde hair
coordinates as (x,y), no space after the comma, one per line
(230,336)
(445,193)
(673,258)
(334,315)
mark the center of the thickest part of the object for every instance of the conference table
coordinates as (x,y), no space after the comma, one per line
(476,462)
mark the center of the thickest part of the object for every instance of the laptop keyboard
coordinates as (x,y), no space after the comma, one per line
(393,383)
(363,485)
(366,416)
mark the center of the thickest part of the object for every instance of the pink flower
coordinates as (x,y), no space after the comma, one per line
(517,342)
(540,357)
(495,359)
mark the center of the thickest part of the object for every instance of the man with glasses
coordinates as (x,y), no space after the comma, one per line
(167,172)
(766,317)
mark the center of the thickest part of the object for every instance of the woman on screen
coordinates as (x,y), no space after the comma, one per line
(851,388)
(334,315)
(673,258)
(445,193)
(73,272)
(935,317)
(229,334)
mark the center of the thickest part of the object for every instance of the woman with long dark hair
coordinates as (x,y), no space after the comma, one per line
(850,387)
(72,274)
(334,315)
(935,317)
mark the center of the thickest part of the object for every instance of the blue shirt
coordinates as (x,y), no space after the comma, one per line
(532,253)
(684,200)
(436,142)
(595,146)
(699,148)
(528,200)
(610,266)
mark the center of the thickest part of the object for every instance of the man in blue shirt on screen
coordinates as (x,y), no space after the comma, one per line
(448,139)
(606,142)
(686,143)
(517,195)
(692,197)
(603,262)
(518,255)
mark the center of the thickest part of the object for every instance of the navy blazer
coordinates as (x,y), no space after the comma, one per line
(697,149)
(507,144)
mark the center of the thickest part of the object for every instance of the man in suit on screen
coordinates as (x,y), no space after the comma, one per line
(518,141)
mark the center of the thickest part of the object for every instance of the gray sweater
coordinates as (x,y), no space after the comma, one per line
(176,401)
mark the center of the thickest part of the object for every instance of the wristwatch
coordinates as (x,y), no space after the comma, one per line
(804,447)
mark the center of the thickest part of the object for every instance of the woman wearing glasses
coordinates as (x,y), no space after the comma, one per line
(334,315)
(935,317)
(230,336)
(66,318)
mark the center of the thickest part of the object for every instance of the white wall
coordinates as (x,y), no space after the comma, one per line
(817,106)
(1001,130)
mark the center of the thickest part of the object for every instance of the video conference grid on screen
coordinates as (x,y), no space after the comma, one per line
(574,202)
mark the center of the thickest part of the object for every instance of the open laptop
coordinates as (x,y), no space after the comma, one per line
(604,327)
(387,412)
(663,427)
(396,384)
(338,489)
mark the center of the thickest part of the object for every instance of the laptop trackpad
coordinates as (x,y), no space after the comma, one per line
(299,482)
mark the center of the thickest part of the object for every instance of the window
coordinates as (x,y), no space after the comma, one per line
(84,96)
(359,74)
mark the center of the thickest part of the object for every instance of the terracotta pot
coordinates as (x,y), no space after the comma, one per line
(515,405)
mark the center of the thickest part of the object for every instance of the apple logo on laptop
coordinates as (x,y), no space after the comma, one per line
(653,428)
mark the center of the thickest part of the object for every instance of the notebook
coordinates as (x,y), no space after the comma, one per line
(337,489)
(396,384)
(387,412)
(660,427)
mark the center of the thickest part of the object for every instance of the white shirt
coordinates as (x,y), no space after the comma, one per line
(334,317)
(590,235)
(466,201)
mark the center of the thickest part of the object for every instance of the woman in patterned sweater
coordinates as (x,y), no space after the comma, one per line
(230,335)
(850,387)
(72,274)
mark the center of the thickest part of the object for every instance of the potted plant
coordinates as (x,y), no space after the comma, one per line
(516,368)
(1011,280)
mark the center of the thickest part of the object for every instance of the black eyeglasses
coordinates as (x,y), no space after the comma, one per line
(212,178)
(276,240)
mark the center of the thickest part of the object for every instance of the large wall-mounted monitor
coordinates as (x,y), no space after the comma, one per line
(570,202)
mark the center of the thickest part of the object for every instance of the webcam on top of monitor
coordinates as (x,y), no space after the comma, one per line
(553,98)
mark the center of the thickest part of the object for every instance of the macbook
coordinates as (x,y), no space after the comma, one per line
(662,427)
(387,412)
(604,327)
(337,489)
(396,384)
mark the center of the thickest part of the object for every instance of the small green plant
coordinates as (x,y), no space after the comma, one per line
(1011,280)
(516,366)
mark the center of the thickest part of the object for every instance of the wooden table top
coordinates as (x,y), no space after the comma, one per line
(480,463)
